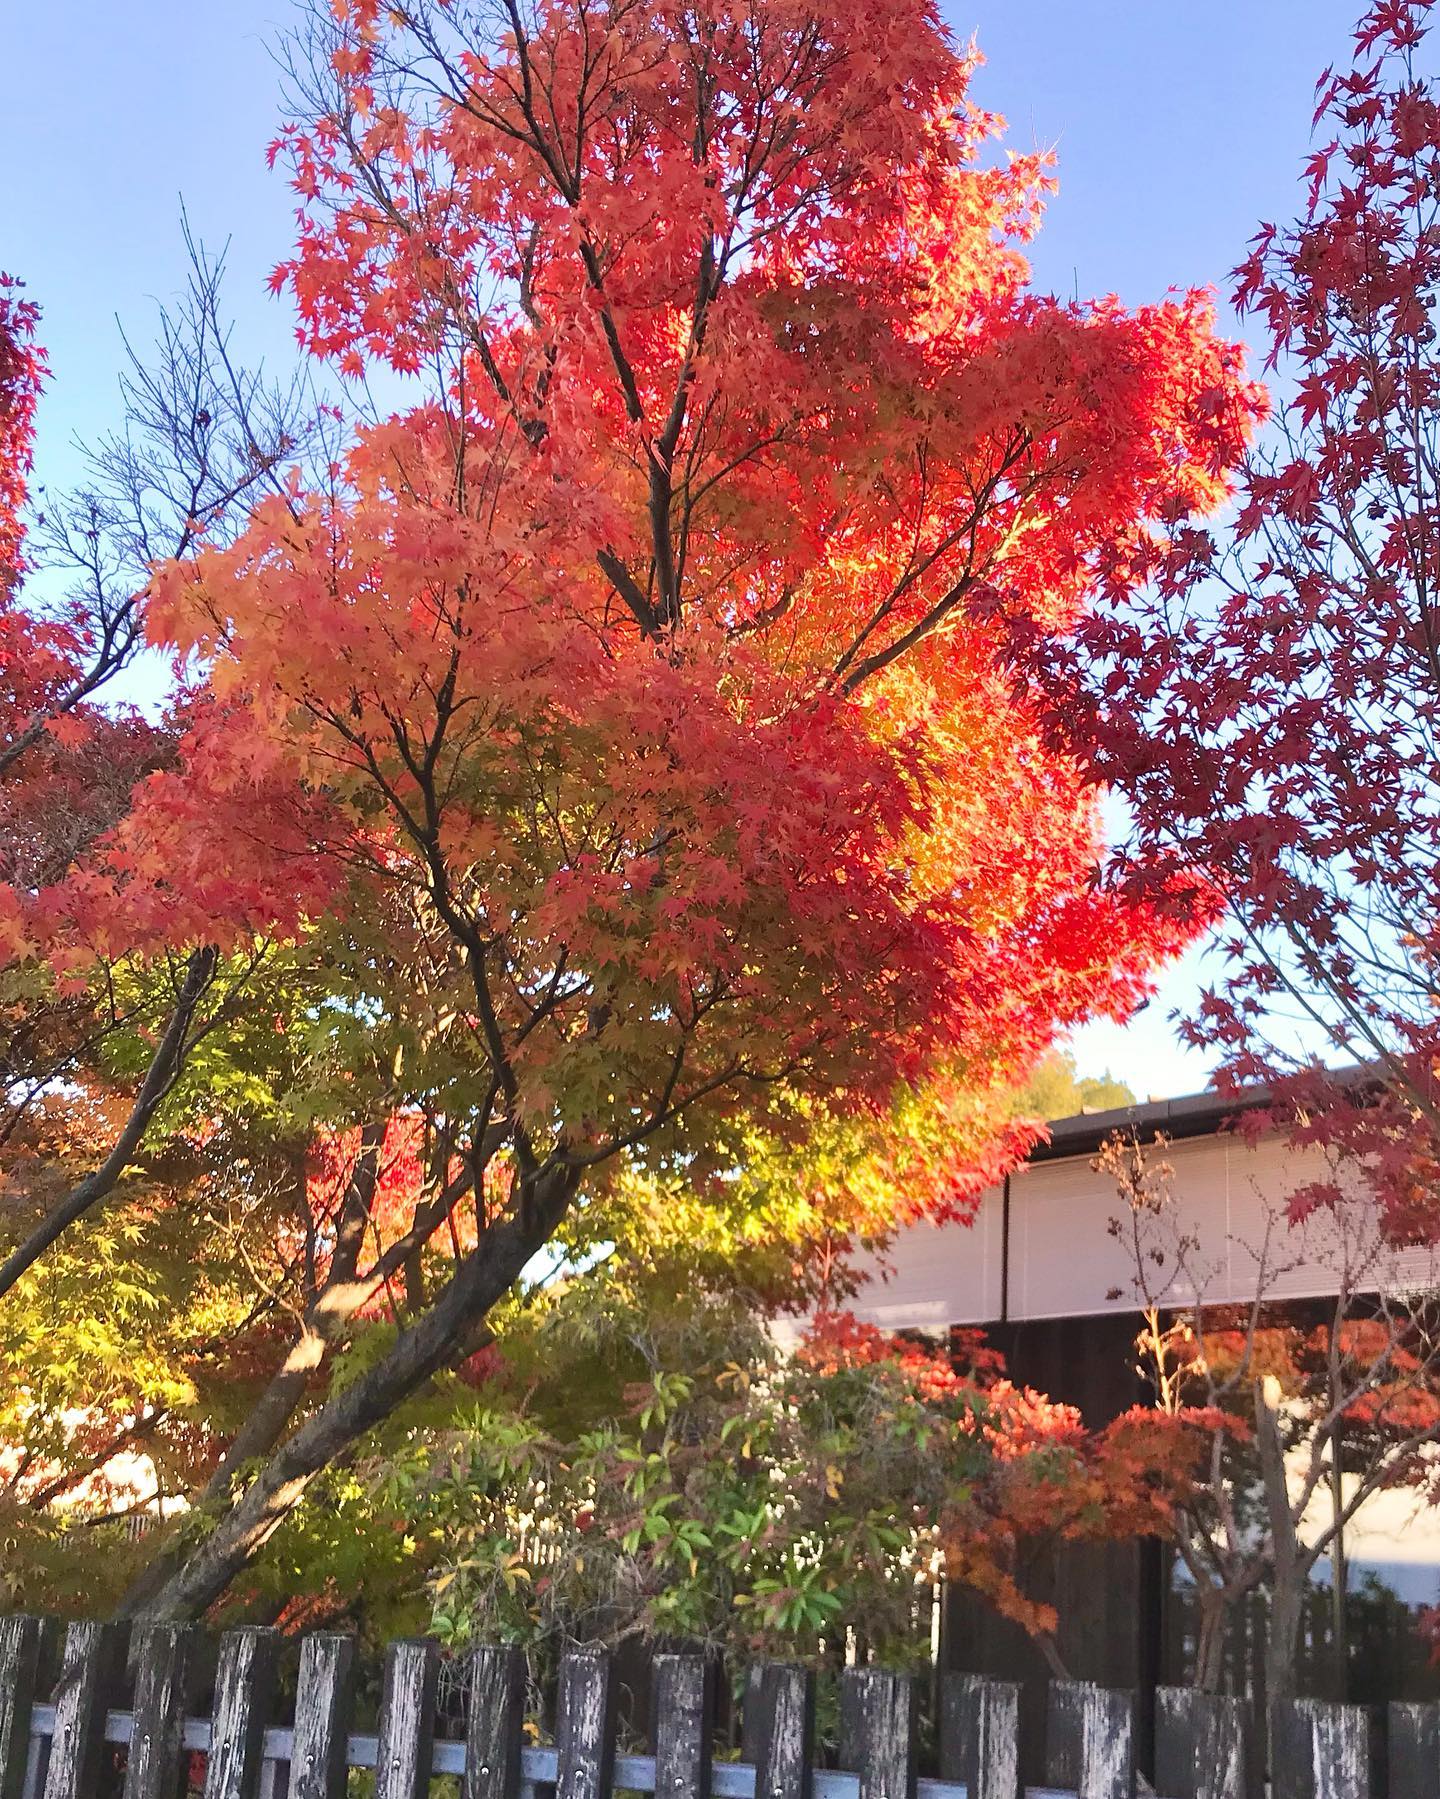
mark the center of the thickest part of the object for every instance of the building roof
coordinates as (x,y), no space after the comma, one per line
(1191,1115)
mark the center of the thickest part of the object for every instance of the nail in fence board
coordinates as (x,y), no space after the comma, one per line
(1201,1744)
(152,1768)
(1414,1752)
(407,1719)
(980,1735)
(19,1653)
(684,1726)
(244,1696)
(877,1732)
(585,1727)
(94,1660)
(324,1700)
(1090,1741)
(779,1729)
(1319,1751)
(495,1722)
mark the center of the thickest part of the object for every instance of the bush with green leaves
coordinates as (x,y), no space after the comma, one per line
(755,1503)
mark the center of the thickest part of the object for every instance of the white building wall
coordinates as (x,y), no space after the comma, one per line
(1064,1262)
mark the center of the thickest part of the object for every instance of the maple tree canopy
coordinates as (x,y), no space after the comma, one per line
(646,652)
(628,714)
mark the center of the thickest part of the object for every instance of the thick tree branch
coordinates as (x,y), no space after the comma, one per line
(431,1343)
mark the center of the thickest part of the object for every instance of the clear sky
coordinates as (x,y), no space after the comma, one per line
(1179,125)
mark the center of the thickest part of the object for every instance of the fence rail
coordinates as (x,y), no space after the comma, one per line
(74,1741)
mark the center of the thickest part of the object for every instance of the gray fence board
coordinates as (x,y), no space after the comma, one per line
(19,1656)
(93,1660)
(152,1768)
(1201,1745)
(979,1735)
(244,1694)
(1090,1740)
(1064,1732)
(1320,1751)
(495,1723)
(585,1726)
(684,1726)
(779,1729)
(1414,1759)
(407,1719)
(324,1699)
(1107,1752)
(877,1731)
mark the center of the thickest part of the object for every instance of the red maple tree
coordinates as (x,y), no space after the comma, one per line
(22,371)
(82,983)
(1267,694)
(635,703)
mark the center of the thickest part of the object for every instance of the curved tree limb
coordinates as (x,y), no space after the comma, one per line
(165,1066)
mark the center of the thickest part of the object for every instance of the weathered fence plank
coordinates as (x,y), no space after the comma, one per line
(19,1656)
(1107,1756)
(324,1700)
(877,1731)
(1064,1731)
(1414,1738)
(980,1735)
(585,1726)
(1201,1745)
(1090,1740)
(152,1767)
(684,1725)
(93,1662)
(244,1694)
(1319,1751)
(494,1723)
(779,1729)
(407,1719)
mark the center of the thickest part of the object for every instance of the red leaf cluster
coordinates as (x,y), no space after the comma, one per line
(1267,697)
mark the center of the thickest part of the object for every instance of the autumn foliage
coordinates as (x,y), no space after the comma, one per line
(677,1476)
(624,730)
(1265,692)
(22,368)
(1048,1478)
(648,652)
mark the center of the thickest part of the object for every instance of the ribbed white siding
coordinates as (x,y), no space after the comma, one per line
(1064,1263)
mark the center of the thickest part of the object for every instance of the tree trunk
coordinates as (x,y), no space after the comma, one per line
(331,1309)
(1287,1600)
(1288,1561)
(1339,1575)
(1210,1644)
(439,1337)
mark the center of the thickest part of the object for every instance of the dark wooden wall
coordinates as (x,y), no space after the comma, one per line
(1109,1596)
(1084,1362)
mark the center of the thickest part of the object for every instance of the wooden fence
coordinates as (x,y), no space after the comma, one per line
(70,1737)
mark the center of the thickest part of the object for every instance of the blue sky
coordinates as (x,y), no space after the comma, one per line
(1179,124)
